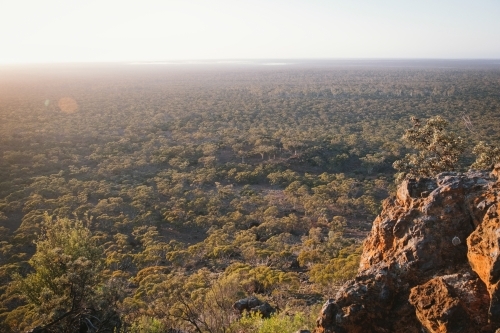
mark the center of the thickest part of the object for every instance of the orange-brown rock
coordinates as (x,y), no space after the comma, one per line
(414,273)
(451,303)
(484,253)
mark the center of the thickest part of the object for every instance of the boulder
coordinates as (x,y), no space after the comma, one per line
(254,305)
(451,303)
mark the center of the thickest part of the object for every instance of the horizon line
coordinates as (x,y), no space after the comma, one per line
(223,61)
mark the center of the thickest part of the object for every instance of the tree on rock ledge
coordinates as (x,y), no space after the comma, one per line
(437,149)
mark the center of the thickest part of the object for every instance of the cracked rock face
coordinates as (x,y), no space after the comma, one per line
(430,263)
(451,303)
(484,251)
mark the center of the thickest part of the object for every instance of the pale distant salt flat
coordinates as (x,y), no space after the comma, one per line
(381,63)
(215,62)
(277,64)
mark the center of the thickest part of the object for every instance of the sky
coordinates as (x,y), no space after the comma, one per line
(41,31)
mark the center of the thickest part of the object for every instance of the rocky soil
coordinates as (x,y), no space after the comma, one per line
(430,263)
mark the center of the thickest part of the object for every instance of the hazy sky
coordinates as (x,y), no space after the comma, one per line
(147,30)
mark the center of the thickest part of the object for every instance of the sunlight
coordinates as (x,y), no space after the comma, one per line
(54,31)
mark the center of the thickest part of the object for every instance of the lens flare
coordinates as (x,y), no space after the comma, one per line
(68,105)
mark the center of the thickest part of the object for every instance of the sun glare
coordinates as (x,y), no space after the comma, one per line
(67,105)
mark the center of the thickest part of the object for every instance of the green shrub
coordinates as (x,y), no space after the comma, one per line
(486,155)
(146,324)
(437,149)
(337,270)
(279,323)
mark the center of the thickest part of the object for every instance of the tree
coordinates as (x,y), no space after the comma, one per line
(487,155)
(66,292)
(240,150)
(437,149)
(264,149)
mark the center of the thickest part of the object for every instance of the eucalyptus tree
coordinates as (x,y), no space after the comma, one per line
(436,149)
(67,290)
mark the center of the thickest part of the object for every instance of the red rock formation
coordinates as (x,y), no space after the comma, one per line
(451,303)
(415,274)
(484,253)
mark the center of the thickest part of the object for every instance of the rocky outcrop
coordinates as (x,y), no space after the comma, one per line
(430,263)
(484,253)
(451,303)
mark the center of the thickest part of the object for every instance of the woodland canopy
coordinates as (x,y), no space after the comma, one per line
(147,198)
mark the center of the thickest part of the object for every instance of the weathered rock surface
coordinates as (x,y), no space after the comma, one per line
(484,253)
(255,305)
(430,264)
(451,303)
